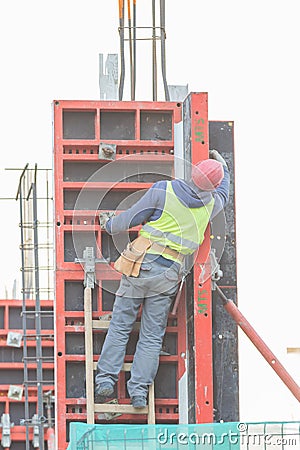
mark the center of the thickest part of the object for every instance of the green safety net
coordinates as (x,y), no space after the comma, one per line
(214,436)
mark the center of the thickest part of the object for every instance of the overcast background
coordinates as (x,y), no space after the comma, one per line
(245,54)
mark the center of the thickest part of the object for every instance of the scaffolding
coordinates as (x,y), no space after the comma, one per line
(37,284)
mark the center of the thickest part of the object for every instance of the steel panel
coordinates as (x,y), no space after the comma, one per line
(225,331)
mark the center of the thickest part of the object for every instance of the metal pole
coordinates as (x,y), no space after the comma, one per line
(134,48)
(121,31)
(271,359)
(163,48)
(154,58)
(48,236)
(24,316)
(39,355)
(89,369)
(130,50)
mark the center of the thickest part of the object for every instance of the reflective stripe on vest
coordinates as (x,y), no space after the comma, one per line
(179,227)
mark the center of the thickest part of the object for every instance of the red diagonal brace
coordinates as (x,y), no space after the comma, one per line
(269,356)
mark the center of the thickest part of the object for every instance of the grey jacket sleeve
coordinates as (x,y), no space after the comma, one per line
(221,194)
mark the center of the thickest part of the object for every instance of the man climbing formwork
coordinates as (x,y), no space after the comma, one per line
(175,215)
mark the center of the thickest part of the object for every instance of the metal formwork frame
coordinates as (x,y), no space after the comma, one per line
(141,148)
(193,324)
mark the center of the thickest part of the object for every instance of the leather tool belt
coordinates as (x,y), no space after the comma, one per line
(130,260)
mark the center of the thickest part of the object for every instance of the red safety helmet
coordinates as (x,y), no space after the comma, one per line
(208,174)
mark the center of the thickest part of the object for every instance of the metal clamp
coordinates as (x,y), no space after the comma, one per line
(211,269)
(89,265)
(216,272)
(36,431)
(6,426)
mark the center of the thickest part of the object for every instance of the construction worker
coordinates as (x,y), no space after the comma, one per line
(174,215)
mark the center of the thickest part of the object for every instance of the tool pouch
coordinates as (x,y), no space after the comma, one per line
(130,260)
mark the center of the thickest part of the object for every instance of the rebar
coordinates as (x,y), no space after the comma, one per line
(121,32)
(163,48)
(154,57)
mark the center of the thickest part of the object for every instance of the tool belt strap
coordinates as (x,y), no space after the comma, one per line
(167,251)
(129,262)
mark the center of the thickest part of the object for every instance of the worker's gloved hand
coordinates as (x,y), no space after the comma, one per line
(104,218)
(214,154)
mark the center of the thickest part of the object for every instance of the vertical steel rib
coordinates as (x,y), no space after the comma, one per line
(130,50)
(154,58)
(134,47)
(48,234)
(121,32)
(163,48)
(38,326)
(24,317)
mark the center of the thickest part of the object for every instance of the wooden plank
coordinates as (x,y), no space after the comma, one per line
(104,324)
(116,408)
(126,366)
(100,324)
(151,405)
(89,370)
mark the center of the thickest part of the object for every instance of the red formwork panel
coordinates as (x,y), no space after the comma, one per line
(142,134)
(12,365)
(15,409)
(202,317)
(18,439)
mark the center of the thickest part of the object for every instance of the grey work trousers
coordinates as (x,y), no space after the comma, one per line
(154,289)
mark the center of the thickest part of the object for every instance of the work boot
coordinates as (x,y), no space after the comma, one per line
(104,389)
(139,401)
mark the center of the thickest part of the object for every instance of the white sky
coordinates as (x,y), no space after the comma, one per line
(245,54)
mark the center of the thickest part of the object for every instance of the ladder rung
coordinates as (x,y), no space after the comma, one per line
(104,324)
(35,358)
(34,313)
(33,336)
(116,408)
(126,367)
(101,324)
